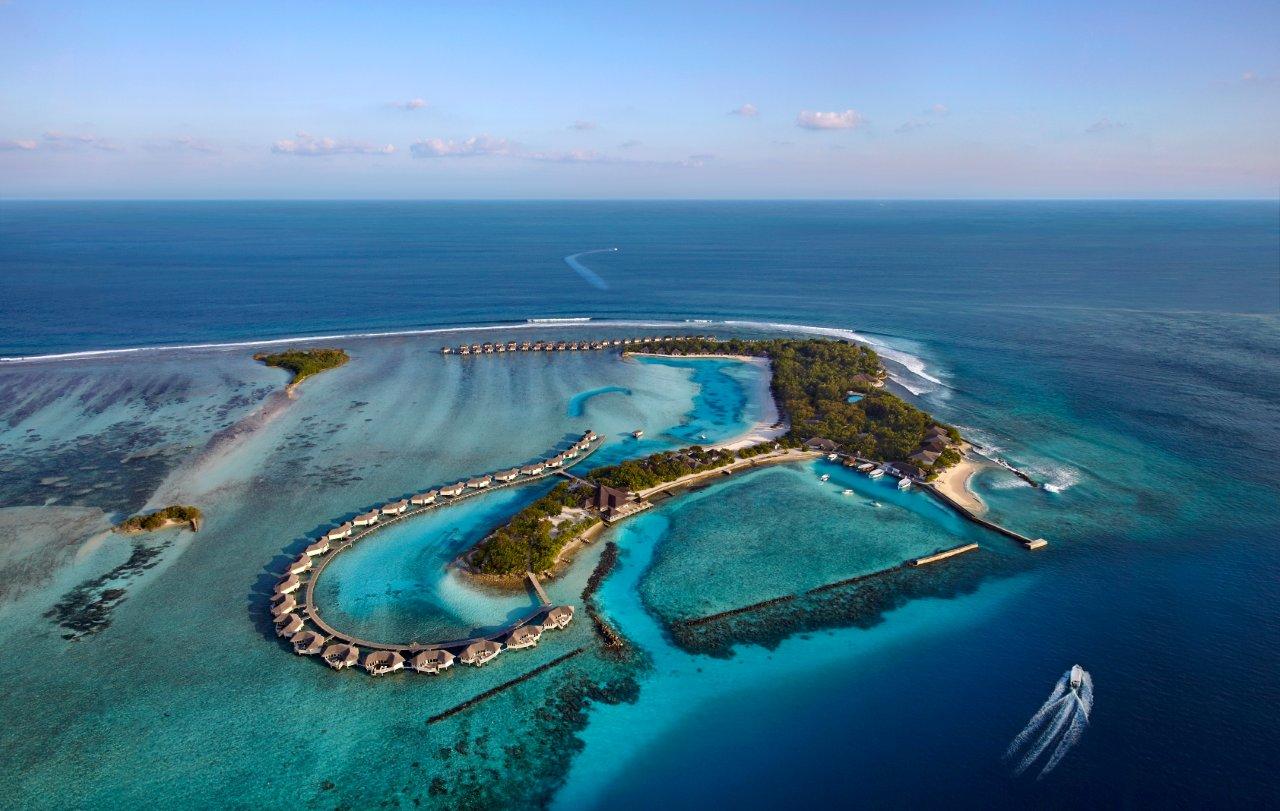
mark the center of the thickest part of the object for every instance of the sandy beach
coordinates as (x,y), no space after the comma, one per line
(954,482)
(767,427)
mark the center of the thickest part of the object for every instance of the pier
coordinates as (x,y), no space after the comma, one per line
(965,512)
(321,637)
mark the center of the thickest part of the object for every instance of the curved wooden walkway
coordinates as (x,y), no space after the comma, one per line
(312,613)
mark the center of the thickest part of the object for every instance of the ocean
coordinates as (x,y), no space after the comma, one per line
(1125,354)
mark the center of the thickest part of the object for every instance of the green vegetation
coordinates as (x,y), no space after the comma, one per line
(304,362)
(161,518)
(811,378)
(530,541)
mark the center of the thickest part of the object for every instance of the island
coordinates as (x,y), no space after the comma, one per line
(171,516)
(304,362)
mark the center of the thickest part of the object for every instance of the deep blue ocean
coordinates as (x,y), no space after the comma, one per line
(1127,353)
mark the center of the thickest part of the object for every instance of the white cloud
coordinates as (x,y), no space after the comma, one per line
(1104,124)
(847,120)
(18,144)
(1249,76)
(471,147)
(61,140)
(582,125)
(746,111)
(310,146)
(940,110)
(411,104)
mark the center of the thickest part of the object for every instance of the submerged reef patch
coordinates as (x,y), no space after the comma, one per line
(86,609)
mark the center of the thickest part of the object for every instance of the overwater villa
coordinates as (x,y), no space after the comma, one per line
(558,617)
(532,469)
(381,662)
(507,475)
(288,625)
(318,548)
(300,565)
(424,498)
(340,656)
(395,507)
(290,583)
(366,520)
(479,653)
(433,661)
(526,636)
(338,533)
(480,482)
(511,346)
(286,605)
(572,453)
(453,489)
(554,461)
(308,643)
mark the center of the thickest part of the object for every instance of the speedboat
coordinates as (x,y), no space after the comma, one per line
(875,474)
(904,483)
(824,477)
(637,434)
(848,492)
(1077,676)
(866,467)
(831,457)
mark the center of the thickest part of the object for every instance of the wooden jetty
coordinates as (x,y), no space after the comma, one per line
(563,346)
(537,588)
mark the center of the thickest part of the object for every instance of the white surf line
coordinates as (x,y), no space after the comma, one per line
(588,275)
(910,362)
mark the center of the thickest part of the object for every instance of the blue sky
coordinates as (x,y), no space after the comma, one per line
(701,100)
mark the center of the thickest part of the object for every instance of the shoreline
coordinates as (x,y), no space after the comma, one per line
(955,482)
(769,427)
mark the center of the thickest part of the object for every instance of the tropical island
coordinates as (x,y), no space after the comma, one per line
(829,392)
(171,516)
(304,362)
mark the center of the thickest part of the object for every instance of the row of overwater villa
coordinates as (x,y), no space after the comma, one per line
(294,619)
(559,346)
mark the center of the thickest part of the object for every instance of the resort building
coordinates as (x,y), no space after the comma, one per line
(288,625)
(924,458)
(381,662)
(480,482)
(558,617)
(868,380)
(935,443)
(554,461)
(531,470)
(338,533)
(424,498)
(300,565)
(453,489)
(507,475)
(822,444)
(526,636)
(395,507)
(290,583)
(478,653)
(286,605)
(318,548)
(572,453)
(433,661)
(340,656)
(366,520)
(308,643)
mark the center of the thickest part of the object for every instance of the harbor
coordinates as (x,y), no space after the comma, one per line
(298,619)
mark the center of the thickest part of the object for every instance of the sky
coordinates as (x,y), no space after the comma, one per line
(425,100)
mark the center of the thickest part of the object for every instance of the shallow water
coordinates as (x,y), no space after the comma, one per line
(1125,353)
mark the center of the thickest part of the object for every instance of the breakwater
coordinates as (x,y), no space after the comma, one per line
(606,632)
(309,633)
(506,685)
(965,512)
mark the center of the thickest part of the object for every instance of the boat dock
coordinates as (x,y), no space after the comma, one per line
(1027,543)
(943,555)
(300,619)
(498,347)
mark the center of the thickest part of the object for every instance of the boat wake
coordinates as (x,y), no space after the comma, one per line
(1056,726)
(588,275)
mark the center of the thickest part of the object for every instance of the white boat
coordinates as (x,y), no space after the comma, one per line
(848,492)
(876,504)
(875,474)
(1077,676)
(866,467)
(831,457)
(824,477)
(904,483)
(637,434)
